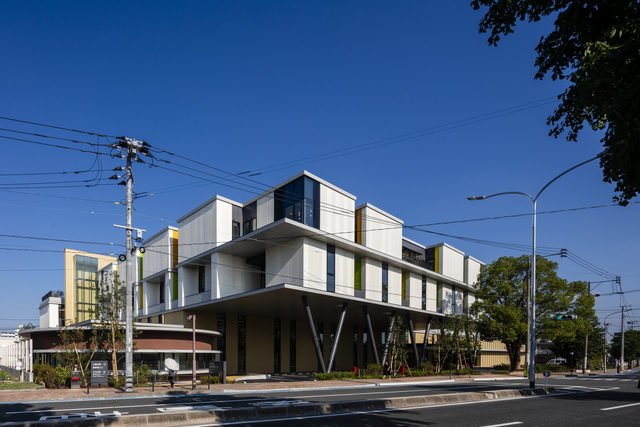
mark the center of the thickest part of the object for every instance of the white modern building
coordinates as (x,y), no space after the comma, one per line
(300,278)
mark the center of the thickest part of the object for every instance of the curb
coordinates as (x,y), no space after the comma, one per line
(247,414)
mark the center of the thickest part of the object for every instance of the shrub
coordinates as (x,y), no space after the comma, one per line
(503,367)
(373,369)
(426,367)
(210,379)
(335,376)
(499,371)
(62,376)
(143,374)
(46,374)
(3,376)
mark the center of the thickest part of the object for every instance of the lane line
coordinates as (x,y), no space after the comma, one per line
(620,407)
(505,424)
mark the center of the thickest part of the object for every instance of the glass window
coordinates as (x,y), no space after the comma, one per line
(276,345)
(86,287)
(424,292)
(235,229)
(299,201)
(201,278)
(242,344)
(161,298)
(331,268)
(292,346)
(385,282)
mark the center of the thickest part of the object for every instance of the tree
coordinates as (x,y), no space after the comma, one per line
(631,345)
(397,346)
(596,47)
(501,304)
(75,350)
(458,342)
(109,312)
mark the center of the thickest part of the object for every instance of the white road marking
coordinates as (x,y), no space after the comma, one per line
(620,407)
(505,424)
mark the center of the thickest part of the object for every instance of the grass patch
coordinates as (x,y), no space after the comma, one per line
(17,385)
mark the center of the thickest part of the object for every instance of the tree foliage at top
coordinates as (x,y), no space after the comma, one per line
(501,304)
(596,47)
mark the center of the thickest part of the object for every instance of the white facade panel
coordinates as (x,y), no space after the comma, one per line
(187,283)
(381,231)
(197,231)
(414,290)
(337,213)
(452,262)
(224,223)
(395,285)
(315,264)
(230,275)
(372,279)
(472,270)
(284,263)
(445,302)
(345,272)
(265,210)
(158,253)
(432,292)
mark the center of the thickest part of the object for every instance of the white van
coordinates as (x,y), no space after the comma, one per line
(557,361)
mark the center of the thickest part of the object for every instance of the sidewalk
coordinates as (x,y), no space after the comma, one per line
(185,389)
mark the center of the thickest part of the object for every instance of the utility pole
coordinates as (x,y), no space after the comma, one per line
(132,147)
(622,342)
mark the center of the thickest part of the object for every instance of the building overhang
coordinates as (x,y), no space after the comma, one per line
(284,301)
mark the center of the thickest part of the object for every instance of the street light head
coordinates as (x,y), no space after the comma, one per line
(190,318)
(477,198)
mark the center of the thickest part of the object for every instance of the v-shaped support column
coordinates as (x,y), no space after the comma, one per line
(314,335)
(412,335)
(336,339)
(372,339)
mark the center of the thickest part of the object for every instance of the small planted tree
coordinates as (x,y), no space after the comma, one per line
(397,345)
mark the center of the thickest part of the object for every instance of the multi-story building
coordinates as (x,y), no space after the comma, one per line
(299,278)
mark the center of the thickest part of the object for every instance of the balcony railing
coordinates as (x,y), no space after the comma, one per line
(196,298)
(419,262)
(155,308)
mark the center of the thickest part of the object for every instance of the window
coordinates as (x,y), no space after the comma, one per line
(161,297)
(385,282)
(292,346)
(454,307)
(86,287)
(276,345)
(299,201)
(331,268)
(160,318)
(355,346)
(439,295)
(221,341)
(250,218)
(235,229)
(201,278)
(242,344)
(424,292)
(405,278)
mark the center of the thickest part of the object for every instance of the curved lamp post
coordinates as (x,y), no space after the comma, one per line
(532,314)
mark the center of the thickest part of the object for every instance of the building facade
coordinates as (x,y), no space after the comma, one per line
(300,278)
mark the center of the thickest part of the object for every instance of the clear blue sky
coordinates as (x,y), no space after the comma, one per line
(426,114)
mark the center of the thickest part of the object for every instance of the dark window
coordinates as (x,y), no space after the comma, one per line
(235,229)
(331,268)
(357,280)
(160,318)
(292,346)
(365,342)
(299,201)
(249,218)
(222,343)
(201,278)
(276,345)
(385,282)
(454,307)
(162,291)
(355,346)
(321,342)
(424,292)
(242,344)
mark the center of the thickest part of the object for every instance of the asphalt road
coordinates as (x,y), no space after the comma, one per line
(583,401)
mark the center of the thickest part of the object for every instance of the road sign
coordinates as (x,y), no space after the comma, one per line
(99,372)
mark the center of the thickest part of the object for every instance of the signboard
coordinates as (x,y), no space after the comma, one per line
(215,368)
(99,372)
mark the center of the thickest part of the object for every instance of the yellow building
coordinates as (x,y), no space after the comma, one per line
(80,283)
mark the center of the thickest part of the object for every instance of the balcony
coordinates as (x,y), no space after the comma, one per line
(418,261)
(197,298)
(155,308)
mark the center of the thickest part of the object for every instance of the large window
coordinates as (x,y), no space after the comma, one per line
(357,271)
(331,268)
(250,218)
(299,201)
(222,328)
(86,287)
(161,290)
(242,344)
(424,292)
(292,346)
(277,332)
(385,282)
(201,278)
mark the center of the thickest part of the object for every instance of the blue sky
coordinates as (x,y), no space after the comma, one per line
(402,104)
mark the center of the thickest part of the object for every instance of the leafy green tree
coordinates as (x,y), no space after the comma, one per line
(595,46)
(569,336)
(458,342)
(501,304)
(397,346)
(631,345)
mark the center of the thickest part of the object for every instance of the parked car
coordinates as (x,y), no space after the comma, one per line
(557,361)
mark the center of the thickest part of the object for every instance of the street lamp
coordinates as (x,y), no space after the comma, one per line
(192,318)
(532,314)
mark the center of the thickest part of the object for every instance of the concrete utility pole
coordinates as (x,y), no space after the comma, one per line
(132,147)
(622,342)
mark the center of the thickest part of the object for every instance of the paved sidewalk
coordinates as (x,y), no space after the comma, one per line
(185,389)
